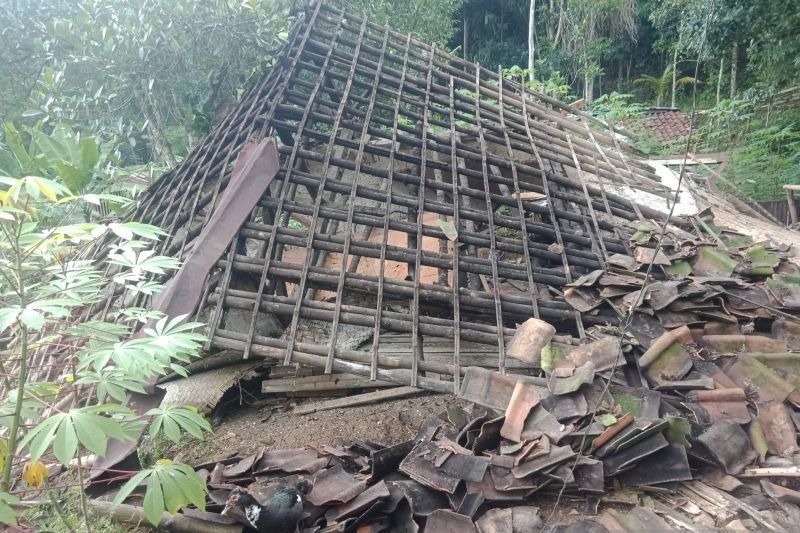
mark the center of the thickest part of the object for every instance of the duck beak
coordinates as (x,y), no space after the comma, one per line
(226,509)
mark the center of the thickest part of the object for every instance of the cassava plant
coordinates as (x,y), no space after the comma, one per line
(64,382)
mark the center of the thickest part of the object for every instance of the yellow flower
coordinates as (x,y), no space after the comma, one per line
(163,461)
(34,474)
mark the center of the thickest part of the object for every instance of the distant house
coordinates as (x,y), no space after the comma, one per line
(666,123)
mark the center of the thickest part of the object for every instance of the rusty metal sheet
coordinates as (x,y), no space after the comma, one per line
(531,336)
(449,522)
(523,399)
(291,460)
(255,169)
(727,442)
(778,428)
(334,486)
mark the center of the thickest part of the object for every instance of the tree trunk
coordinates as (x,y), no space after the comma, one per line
(619,76)
(549,24)
(734,66)
(531,37)
(588,91)
(674,74)
(162,148)
(628,73)
(719,77)
(466,36)
(560,23)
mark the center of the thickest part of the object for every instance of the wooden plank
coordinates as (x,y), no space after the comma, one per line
(790,201)
(691,161)
(773,471)
(712,494)
(323,382)
(358,399)
(529,195)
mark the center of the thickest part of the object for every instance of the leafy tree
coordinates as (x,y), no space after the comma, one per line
(430,21)
(661,85)
(123,68)
(43,282)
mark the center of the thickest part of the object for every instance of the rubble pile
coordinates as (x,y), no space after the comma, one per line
(714,442)
(684,416)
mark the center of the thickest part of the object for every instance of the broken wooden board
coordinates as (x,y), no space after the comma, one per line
(322,382)
(359,399)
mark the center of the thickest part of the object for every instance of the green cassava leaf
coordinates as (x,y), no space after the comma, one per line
(172,419)
(7,515)
(154,505)
(170,486)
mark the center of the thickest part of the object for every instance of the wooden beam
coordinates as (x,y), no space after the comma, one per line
(324,382)
(358,399)
(790,200)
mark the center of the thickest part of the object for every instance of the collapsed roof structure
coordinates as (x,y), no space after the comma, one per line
(429,195)
(372,188)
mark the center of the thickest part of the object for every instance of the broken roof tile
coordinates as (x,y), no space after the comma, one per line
(729,445)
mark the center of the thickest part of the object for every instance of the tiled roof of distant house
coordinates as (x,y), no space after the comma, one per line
(666,123)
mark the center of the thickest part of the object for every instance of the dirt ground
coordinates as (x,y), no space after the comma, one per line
(271,423)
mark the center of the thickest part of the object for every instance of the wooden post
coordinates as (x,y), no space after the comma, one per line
(790,198)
